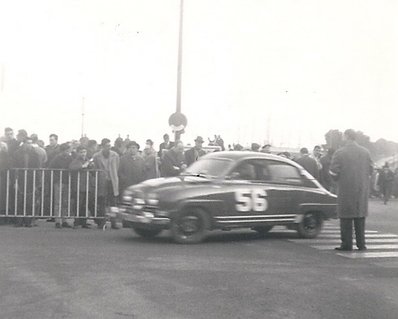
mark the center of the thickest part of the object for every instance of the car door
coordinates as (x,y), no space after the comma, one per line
(283,184)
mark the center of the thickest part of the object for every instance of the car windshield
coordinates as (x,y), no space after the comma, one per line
(212,167)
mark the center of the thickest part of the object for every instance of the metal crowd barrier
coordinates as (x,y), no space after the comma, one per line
(32,193)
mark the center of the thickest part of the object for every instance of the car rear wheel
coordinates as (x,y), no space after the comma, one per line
(146,232)
(190,227)
(310,226)
(262,230)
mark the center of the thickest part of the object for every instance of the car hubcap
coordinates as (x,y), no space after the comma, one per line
(189,225)
(310,223)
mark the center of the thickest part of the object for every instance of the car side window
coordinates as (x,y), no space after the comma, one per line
(285,173)
(244,171)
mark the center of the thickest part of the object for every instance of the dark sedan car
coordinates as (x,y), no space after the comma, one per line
(226,190)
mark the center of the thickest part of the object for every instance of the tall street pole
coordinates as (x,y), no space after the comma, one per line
(179,67)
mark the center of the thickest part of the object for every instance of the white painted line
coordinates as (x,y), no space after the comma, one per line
(337,240)
(338,232)
(371,247)
(366,236)
(360,254)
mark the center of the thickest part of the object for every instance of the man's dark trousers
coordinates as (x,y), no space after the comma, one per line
(346,232)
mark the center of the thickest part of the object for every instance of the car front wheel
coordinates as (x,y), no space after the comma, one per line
(190,226)
(310,226)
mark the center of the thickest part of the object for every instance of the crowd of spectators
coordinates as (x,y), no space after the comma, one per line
(120,165)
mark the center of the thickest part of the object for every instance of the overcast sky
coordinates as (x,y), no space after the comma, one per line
(253,70)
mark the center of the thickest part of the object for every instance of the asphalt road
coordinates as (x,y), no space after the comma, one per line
(88,273)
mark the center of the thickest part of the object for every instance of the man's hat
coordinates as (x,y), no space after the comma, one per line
(199,139)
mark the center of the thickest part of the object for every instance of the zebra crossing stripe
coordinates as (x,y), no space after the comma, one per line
(371,247)
(366,236)
(337,240)
(338,232)
(360,254)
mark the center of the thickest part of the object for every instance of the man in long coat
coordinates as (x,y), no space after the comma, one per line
(351,167)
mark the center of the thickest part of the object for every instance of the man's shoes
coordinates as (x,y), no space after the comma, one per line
(362,248)
(66,225)
(343,248)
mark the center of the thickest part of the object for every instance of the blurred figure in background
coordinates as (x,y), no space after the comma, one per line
(150,161)
(326,179)
(193,154)
(165,145)
(308,163)
(132,167)
(173,162)
(385,181)
(60,163)
(107,162)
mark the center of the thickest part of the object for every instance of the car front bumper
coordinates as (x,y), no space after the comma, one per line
(142,217)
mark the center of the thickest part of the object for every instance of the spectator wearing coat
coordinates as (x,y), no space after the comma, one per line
(52,149)
(150,161)
(173,162)
(193,154)
(165,145)
(60,163)
(351,167)
(326,179)
(385,181)
(132,167)
(83,182)
(308,163)
(25,158)
(107,162)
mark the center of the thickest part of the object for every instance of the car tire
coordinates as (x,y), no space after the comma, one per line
(190,226)
(310,226)
(262,230)
(147,232)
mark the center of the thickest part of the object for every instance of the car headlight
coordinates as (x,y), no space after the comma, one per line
(152,199)
(127,196)
(138,203)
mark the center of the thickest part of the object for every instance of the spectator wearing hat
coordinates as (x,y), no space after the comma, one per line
(150,160)
(193,154)
(118,146)
(132,167)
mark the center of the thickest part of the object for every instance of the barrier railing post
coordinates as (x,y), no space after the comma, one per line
(42,193)
(87,190)
(7,191)
(69,192)
(60,195)
(24,191)
(78,195)
(96,194)
(51,192)
(34,193)
(16,193)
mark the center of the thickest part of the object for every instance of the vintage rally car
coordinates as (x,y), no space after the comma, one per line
(227,190)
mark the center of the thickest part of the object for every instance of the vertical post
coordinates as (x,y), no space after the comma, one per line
(42,192)
(7,192)
(179,65)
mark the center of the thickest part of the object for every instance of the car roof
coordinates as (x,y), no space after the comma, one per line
(241,155)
